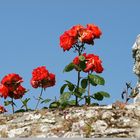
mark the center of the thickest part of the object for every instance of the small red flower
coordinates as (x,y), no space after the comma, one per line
(42,78)
(76,60)
(12,81)
(2,109)
(74,31)
(11,86)
(18,93)
(95,30)
(50,81)
(86,36)
(77,34)
(93,63)
(4,92)
(67,41)
(35,84)
(40,73)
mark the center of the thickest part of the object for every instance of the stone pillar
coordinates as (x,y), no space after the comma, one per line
(136,68)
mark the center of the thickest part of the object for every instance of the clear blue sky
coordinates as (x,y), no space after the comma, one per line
(29,37)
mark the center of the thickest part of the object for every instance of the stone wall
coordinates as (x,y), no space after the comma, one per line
(103,121)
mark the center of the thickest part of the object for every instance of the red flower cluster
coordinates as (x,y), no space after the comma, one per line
(93,63)
(2,109)
(11,86)
(42,78)
(79,33)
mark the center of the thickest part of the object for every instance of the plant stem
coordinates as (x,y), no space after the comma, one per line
(79,49)
(24,105)
(12,105)
(39,98)
(126,96)
(88,91)
(88,87)
(78,82)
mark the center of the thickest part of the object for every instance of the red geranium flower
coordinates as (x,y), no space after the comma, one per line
(2,109)
(12,81)
(40,73)
(93,63)
(95,30)
(50,81)
(74,31)
(76,60)
(11,86)
(18,93)
(67,41)
(86,36)
(4,92)
(42,78)
(77,34)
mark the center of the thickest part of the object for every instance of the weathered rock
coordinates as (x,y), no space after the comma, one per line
(136,68)
(101,121)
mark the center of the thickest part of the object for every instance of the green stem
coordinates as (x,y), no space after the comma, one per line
(78,82)
(12,105)
(79,49)
(88,87)
(39,98)
(24,105)
(88,91)
(126,96)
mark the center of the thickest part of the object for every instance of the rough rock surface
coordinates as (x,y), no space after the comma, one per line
(136,68)
(99,121)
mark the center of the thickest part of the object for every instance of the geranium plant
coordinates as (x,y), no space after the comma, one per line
(77,37)
(11,87)
(43,79)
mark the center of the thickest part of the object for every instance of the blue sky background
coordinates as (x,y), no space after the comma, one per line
(30,31)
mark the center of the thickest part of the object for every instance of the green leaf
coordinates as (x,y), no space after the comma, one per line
(6,103)
(104,94)
(81,58)
(63,88)
(77,94)
(54,105)
(82,65)
(46,101)
(98,96)
(25,101)
(64,105)
(65,96)
(72,102)
(69,67)
(84,83)
(39,98)
(20,110)
(82,90)
(70,85)
(96,80)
